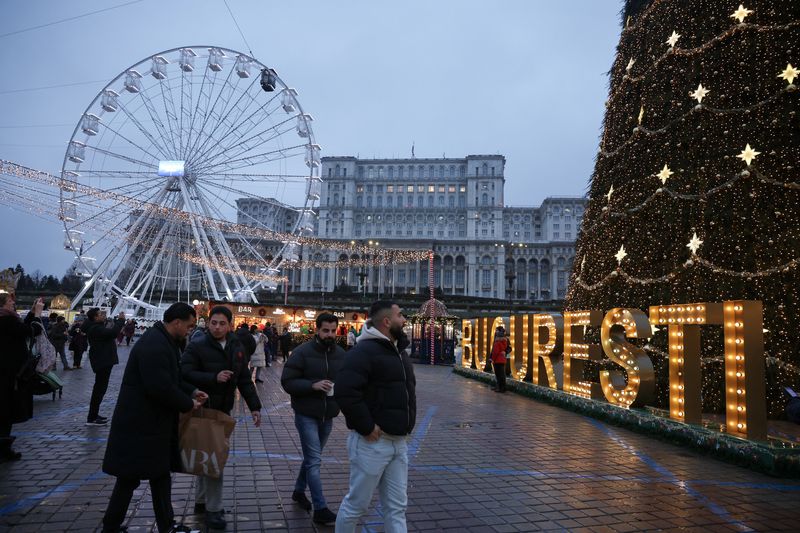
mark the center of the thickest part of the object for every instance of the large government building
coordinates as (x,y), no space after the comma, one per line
(455,206)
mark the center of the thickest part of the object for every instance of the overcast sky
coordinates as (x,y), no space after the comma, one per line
(526,79)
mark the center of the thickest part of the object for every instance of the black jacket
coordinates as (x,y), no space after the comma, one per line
(15,338)
(102,342)
(247,340)
(310,362)
(143,441)
(204,359)
(376,385)
(58,334)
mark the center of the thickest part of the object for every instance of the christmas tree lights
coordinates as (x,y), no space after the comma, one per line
(695,196)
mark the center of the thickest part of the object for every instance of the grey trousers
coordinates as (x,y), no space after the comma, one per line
(209,491)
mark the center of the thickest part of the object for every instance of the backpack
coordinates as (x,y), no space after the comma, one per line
(45,351)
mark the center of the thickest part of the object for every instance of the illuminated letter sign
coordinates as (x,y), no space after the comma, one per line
(577,352)
(547,343)
(639,388)
(744,362)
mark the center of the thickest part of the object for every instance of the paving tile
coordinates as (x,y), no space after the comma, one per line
(483,463)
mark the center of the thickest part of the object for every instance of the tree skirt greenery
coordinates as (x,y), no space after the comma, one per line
(776,458)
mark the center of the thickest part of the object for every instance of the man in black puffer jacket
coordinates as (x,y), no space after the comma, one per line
(376,392)
(309,376)
(217,364)
(102,356)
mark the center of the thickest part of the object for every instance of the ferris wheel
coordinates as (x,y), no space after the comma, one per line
(157,164)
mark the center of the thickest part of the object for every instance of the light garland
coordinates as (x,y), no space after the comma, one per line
(391,254)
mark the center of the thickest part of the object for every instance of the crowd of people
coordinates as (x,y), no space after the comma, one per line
(182,364)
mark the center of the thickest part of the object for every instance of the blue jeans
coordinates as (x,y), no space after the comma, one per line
(313,436)
(382,464)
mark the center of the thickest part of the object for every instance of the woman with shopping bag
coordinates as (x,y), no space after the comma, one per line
(217,363)
(143,441)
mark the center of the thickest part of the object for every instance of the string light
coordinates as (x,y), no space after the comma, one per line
(72,186)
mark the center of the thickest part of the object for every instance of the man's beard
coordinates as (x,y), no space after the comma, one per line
(396,332)
(327,342)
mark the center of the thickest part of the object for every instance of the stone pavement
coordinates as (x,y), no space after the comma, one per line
(480,462)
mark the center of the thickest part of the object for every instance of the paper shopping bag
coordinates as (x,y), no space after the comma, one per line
(205,442)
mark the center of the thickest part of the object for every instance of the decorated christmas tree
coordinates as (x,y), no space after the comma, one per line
(695,195)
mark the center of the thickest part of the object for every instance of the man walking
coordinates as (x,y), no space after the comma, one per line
(309,376)
(376,392)
(143,441)
(285,340)
(102,356)
(217,363)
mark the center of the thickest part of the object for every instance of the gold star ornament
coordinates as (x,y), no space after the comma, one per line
(694,244)
(673,39)
(790,73)
(700,93)
(621,254)
(741,13)
(748,154)
(664,174)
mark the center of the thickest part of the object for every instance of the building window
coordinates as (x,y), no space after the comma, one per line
(344,172)
(420,201)
(391,172)
(388,201)
(369,201)
(380,201)
(492,171)
(451,201)
(390,188)
(361,172)
(556,235)
(431,188)
(359,201)
(485,199)
(359,188)
(430,200)
(568,235)
(409,188)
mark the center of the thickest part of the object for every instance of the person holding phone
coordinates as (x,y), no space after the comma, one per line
(16,398)
(102,356)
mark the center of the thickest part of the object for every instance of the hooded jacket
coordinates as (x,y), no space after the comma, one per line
(376,385)
(310,362)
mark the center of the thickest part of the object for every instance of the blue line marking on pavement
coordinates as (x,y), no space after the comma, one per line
(715,508)
(59,437)
(422,430)
(35,498)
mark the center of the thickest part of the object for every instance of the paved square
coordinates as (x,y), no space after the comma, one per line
(480,462)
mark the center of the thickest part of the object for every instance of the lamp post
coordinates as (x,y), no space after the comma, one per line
(362,276)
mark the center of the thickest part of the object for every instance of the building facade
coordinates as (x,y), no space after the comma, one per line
(456,207)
